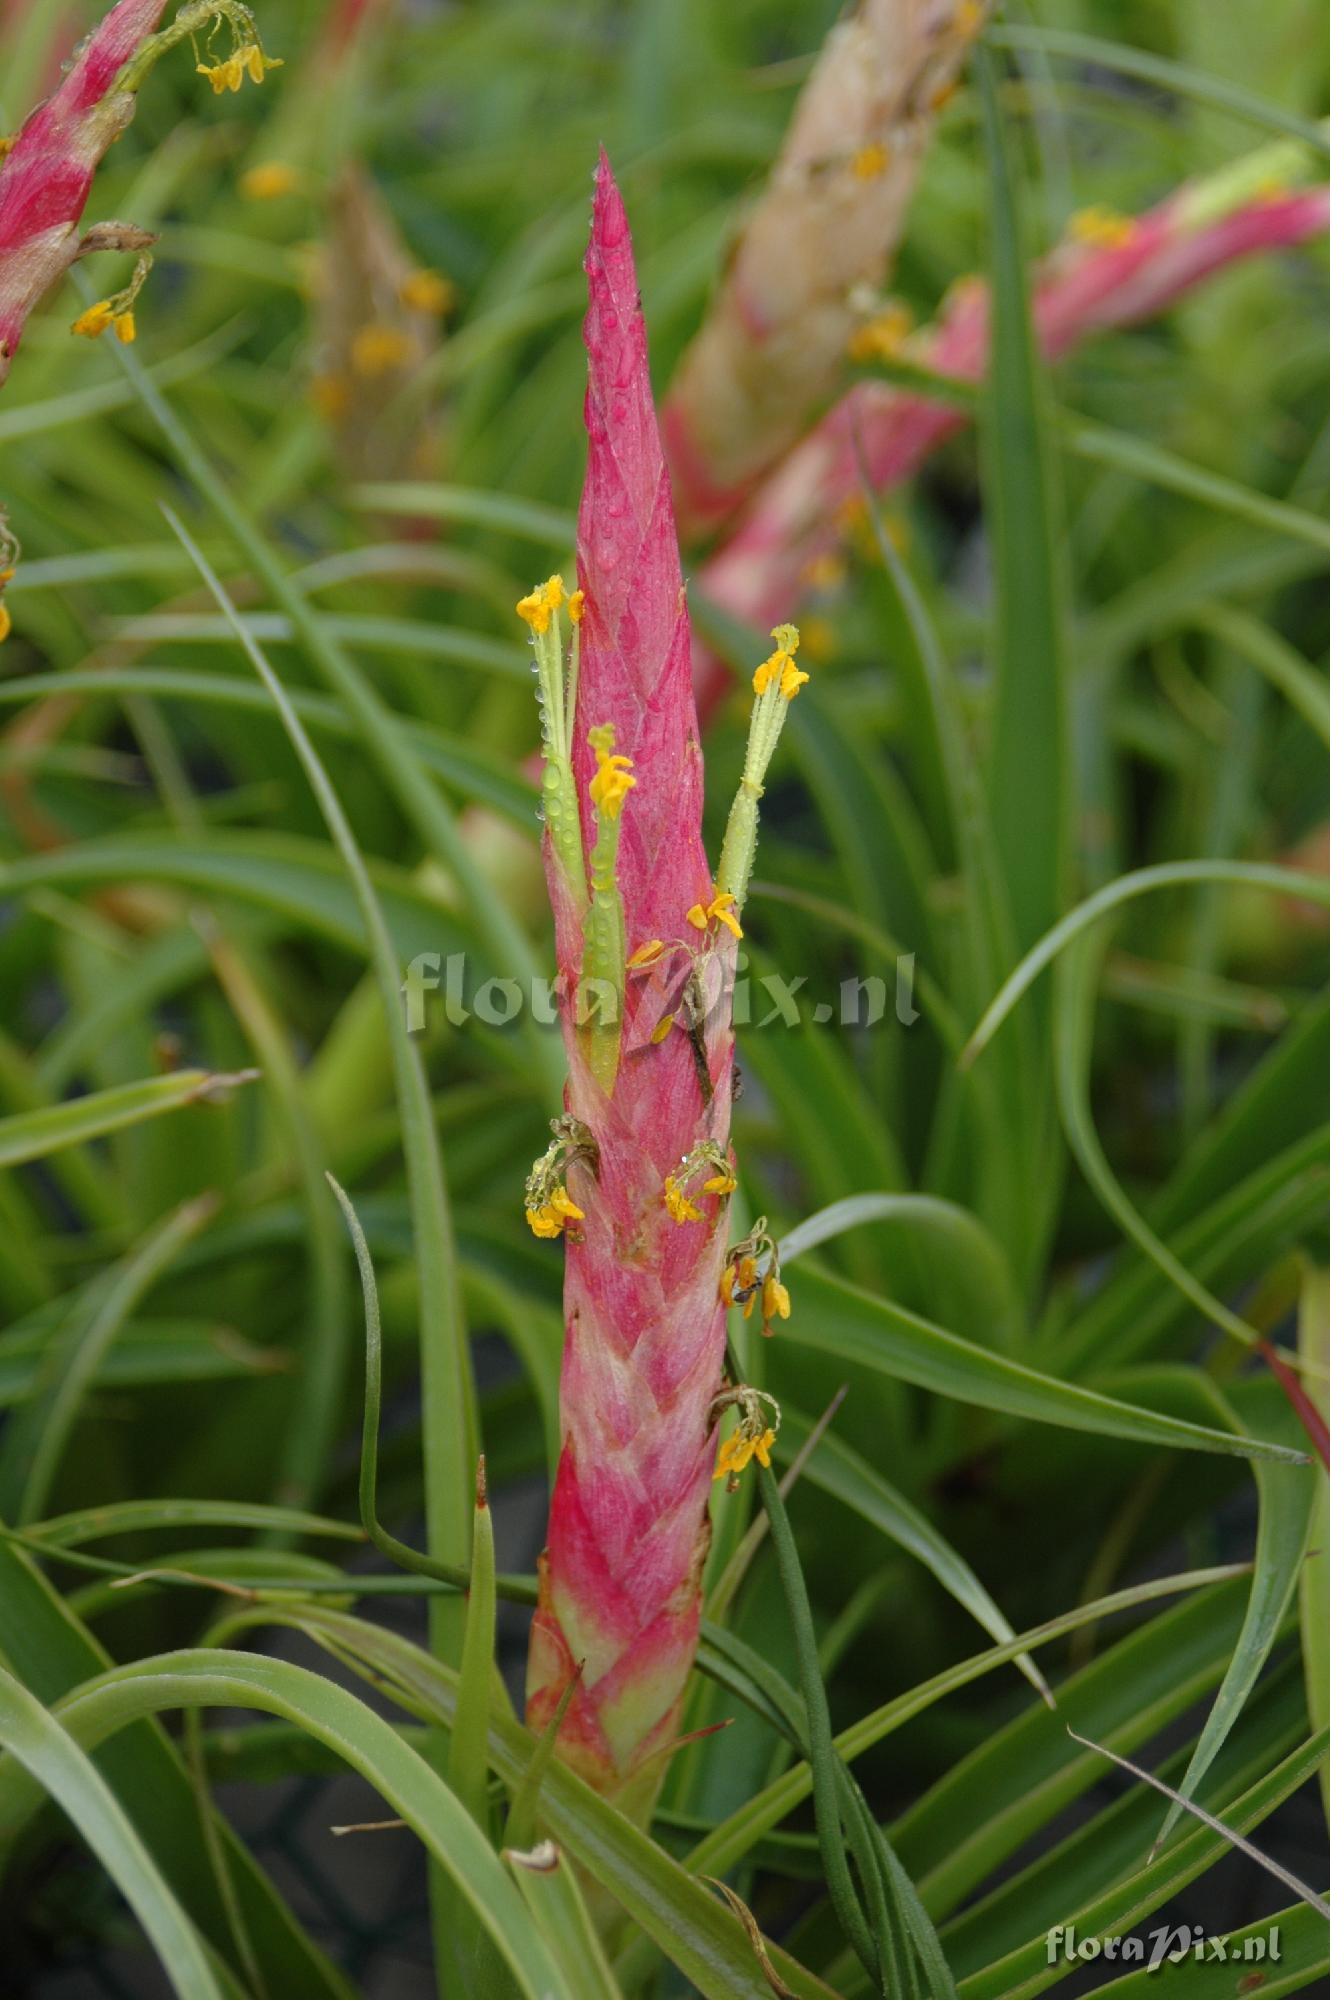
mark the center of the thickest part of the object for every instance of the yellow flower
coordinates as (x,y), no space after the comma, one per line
(269,181)
(720,909)
(723,1183)
(252,58)
(95,320)
(870,161)
(775,1299)
(553,1216)
(1100,228)
(6,624)
(427,292)
(125,329)
(7,145)
(222,76)
(577,606)
(776,666)
(741,1446)
(678,1204)
(646,954)
(614,775)
(882,337)
(377,349)
(661,1029)
(540,604)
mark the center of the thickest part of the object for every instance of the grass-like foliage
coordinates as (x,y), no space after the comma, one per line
(940,1134)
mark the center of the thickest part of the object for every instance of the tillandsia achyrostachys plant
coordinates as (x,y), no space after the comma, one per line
(47,172)
(638,1177)
(824,229)
(1110,271)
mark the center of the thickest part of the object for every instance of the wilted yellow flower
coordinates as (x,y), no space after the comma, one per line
(95,320)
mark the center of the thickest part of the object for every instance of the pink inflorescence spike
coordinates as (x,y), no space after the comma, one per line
(46,178)
(620,1578)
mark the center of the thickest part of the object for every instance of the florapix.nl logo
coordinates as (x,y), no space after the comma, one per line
(450,987)
(1167,1944)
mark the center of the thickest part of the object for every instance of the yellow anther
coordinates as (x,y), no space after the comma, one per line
(6,624)
(777,664)
(614,774)
(1100,228)
(870,161)
(228,75)
(377,349)
(539,605)
(775,1300)
(554,1215)
(723,1183)
(737,1449)
(125,329)
(269,181)
(882,337)
(252,58)
(677,1202)
(577,606)
(427,292)
(646,954)
(95,320)
(662,1028)
(719,910)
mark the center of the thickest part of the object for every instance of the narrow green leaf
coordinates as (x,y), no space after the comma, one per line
(1140,882)
(56,1763)
(1029,754)
(33,1135)
(1158,467)
(475,771)
(838,1318)
(215,1678)
(1314,1581)
(549,1886)
(1183,78)
(35,1439)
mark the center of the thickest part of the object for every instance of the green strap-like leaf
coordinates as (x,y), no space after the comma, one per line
(215,1678)
(838,1318)
(33,1135)
(55,1762)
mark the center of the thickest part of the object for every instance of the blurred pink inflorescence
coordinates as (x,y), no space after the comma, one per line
(1112,272)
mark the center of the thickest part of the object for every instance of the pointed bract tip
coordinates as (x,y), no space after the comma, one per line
(609,217)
